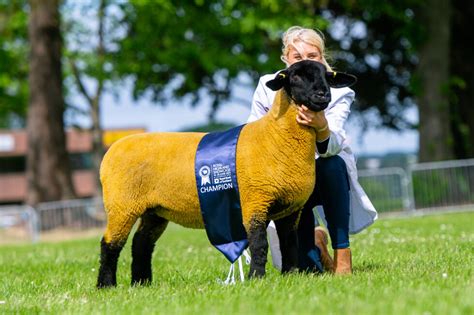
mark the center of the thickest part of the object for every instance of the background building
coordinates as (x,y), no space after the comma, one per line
(13,148)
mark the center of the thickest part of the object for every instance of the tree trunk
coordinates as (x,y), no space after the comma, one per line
(462,96)
(433,103)
(97,132)
(48,171)
(97,143)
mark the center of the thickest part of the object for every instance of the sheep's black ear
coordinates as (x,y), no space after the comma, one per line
(279,81)
(340,79)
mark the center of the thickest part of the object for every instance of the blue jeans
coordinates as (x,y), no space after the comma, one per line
(332,192)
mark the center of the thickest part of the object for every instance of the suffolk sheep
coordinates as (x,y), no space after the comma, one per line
(151,176)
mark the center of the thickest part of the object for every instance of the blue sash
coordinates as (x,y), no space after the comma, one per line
(218,192)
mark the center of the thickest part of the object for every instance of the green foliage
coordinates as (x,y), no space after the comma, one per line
(13,63)
(404,266)
(378,42)
(172,50)
(88,68)
(177,49)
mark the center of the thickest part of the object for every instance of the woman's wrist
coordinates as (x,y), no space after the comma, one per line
(323,134)
(322,129)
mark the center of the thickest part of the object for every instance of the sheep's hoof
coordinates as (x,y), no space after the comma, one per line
(290,270)
(105,285)
(141,282)
(256,273)
(106,280)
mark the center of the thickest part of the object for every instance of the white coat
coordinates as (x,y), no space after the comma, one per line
(362,212)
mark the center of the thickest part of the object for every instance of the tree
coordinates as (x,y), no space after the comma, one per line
(89,62)
(434,72)
(48,172)
(403,60)
(461,94)
(174,50)
(376,41)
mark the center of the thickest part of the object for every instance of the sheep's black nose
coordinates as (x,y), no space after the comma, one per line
(320,96)
(320,93)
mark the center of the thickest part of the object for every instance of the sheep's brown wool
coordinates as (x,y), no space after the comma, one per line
(151,176)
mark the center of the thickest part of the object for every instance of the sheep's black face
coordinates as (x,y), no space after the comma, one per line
(307,85)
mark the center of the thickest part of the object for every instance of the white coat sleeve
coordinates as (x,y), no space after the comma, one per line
(336,116)
(260,102)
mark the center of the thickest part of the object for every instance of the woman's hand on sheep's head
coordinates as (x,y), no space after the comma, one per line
(307,117)
(316,120)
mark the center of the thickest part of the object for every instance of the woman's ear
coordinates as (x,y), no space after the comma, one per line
(279,81)
(340,79)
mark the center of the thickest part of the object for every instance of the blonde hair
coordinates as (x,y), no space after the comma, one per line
(306,35)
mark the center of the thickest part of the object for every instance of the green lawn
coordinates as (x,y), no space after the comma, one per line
(421,265)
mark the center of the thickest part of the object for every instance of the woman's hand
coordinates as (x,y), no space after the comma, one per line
(316,120)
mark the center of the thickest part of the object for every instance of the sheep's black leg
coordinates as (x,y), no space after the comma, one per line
(109,254)
(150,229)
(288,236)
(258,245)
(115,236)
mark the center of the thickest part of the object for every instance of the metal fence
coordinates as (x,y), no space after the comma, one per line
(425,186)
(78,214)
(21,223)
(443,184)
(387,188)
(18,223)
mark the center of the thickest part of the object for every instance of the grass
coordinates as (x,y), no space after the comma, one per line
(420,265)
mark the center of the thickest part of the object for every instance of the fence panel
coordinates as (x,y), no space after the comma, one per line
(18,223)
(426,186)
(443,184)
(78,214)
(387,188)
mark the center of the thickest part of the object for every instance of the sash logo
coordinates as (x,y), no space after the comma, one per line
(215,177)
(205,173)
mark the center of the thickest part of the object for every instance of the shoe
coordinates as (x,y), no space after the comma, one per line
(342,261)
(321,242)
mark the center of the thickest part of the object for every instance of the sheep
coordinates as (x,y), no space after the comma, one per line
(151,176)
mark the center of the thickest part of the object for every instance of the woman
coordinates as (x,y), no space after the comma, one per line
(346,207)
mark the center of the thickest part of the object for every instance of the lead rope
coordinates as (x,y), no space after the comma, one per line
(247,262)
(231,275)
